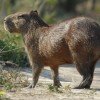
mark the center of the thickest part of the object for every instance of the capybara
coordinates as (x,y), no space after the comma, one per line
(73,41)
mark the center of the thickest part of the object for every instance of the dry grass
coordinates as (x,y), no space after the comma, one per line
(12,80)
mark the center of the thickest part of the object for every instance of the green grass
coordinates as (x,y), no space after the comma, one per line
(52,88)
(11,48)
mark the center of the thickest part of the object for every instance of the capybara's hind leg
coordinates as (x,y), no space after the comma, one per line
(86,82)
(55,75)
(36,70)
(87,71)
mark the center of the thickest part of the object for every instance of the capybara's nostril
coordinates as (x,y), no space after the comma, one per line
(4,19)
(7,19)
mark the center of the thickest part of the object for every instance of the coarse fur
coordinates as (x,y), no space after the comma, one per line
(74,41)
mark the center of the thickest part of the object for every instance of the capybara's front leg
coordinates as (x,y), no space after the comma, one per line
(36,70)
(55,75)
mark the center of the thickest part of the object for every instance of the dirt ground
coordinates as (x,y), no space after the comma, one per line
(69,77)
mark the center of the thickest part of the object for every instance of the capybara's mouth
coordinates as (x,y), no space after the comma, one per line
(8,26)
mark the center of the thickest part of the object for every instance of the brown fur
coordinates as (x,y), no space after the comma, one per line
(74,41)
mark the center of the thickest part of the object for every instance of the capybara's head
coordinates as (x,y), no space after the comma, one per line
(21,22)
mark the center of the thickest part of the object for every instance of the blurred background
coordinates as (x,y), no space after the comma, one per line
(51,11)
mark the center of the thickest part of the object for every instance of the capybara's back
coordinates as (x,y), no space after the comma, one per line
(84,39)
(74,41)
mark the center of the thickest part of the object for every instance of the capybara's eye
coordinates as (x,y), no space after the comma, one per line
(21,16)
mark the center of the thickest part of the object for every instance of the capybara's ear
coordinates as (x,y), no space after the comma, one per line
(36,12)
(33,13)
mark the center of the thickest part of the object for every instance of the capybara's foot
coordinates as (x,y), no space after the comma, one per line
(57,84)
(31,86)
(82,87)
